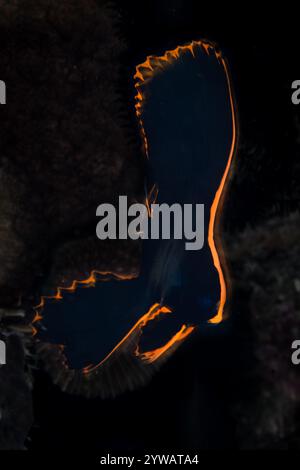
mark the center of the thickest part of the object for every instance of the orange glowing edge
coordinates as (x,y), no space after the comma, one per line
(144,72)
(136,331)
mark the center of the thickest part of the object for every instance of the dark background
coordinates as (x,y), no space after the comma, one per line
(190,403)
